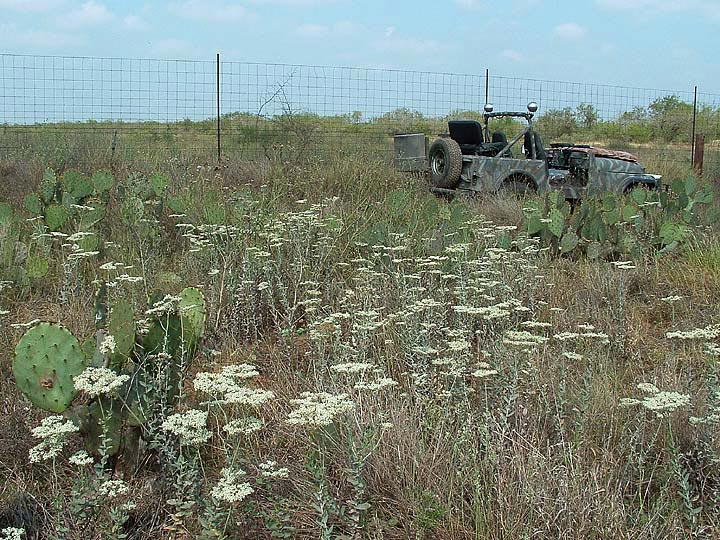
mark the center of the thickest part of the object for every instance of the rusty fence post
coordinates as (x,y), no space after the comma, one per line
(699,154)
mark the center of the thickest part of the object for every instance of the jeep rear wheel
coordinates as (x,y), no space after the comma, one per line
(518,186)
(445,160)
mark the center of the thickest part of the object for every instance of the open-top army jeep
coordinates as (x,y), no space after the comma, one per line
(472,159)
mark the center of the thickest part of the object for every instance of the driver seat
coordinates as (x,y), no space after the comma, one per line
(468,134)
(540,152)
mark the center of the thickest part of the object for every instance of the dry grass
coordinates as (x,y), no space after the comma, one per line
(542,451)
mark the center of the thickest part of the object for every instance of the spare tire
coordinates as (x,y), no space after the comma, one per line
(445,161)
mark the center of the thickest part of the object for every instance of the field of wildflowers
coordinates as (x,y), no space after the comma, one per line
(369,362)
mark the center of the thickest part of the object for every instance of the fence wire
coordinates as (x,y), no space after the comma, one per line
(70,108)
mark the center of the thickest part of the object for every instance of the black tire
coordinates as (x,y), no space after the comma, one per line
(518,186)
(445,163)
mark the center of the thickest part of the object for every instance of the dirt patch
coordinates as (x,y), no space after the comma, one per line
(17,180)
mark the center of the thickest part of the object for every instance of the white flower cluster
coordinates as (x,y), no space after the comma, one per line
(657,401)
(230,489)
(12,533)
(113,488)
(189,426)
(168,304)
(352,367)
(709,332)
(227,386)
(319,409)
(523,338)
(243,426)
(484,370)
(375,386)
(81,458)
(270,469)
(99,381)
(107,346)
(53,431)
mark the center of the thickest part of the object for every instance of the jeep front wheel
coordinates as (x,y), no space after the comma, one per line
(445,161)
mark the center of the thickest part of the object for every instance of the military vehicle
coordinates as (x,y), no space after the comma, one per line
(472,159)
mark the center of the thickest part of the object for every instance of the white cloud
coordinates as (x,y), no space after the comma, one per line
(407,45)
(292,2)
(390,31)
(11,36)
(340,28)
(214,11)
(312,30)
(704,7)
(32,6)
(512,55)
(133,22)
(469,4)
(570,31)
(88,14)
(171,47)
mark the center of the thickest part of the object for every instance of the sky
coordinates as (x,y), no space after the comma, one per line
(647,43)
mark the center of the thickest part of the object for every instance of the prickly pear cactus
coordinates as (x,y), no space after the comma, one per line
(193,314)
(37,267)
(75,184)
(47,358)
(102,181)
(56,216)
(121,326)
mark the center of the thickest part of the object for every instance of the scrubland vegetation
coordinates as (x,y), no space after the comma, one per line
(314,346)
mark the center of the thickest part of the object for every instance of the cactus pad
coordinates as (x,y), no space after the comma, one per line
(132,210)
(73,182)
(569,242)
(47,358)
(192,311)
(91,217)
(6,214)
(102,181)
(48,187)
(56,216)
(159,182)
(33,204)
(37,267)
(121,326)
(557,222)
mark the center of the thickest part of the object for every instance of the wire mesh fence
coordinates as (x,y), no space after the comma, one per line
(74,108)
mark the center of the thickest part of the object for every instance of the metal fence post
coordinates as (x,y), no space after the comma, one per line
(218,106)
(694,123)
(487,87)
(698,153)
